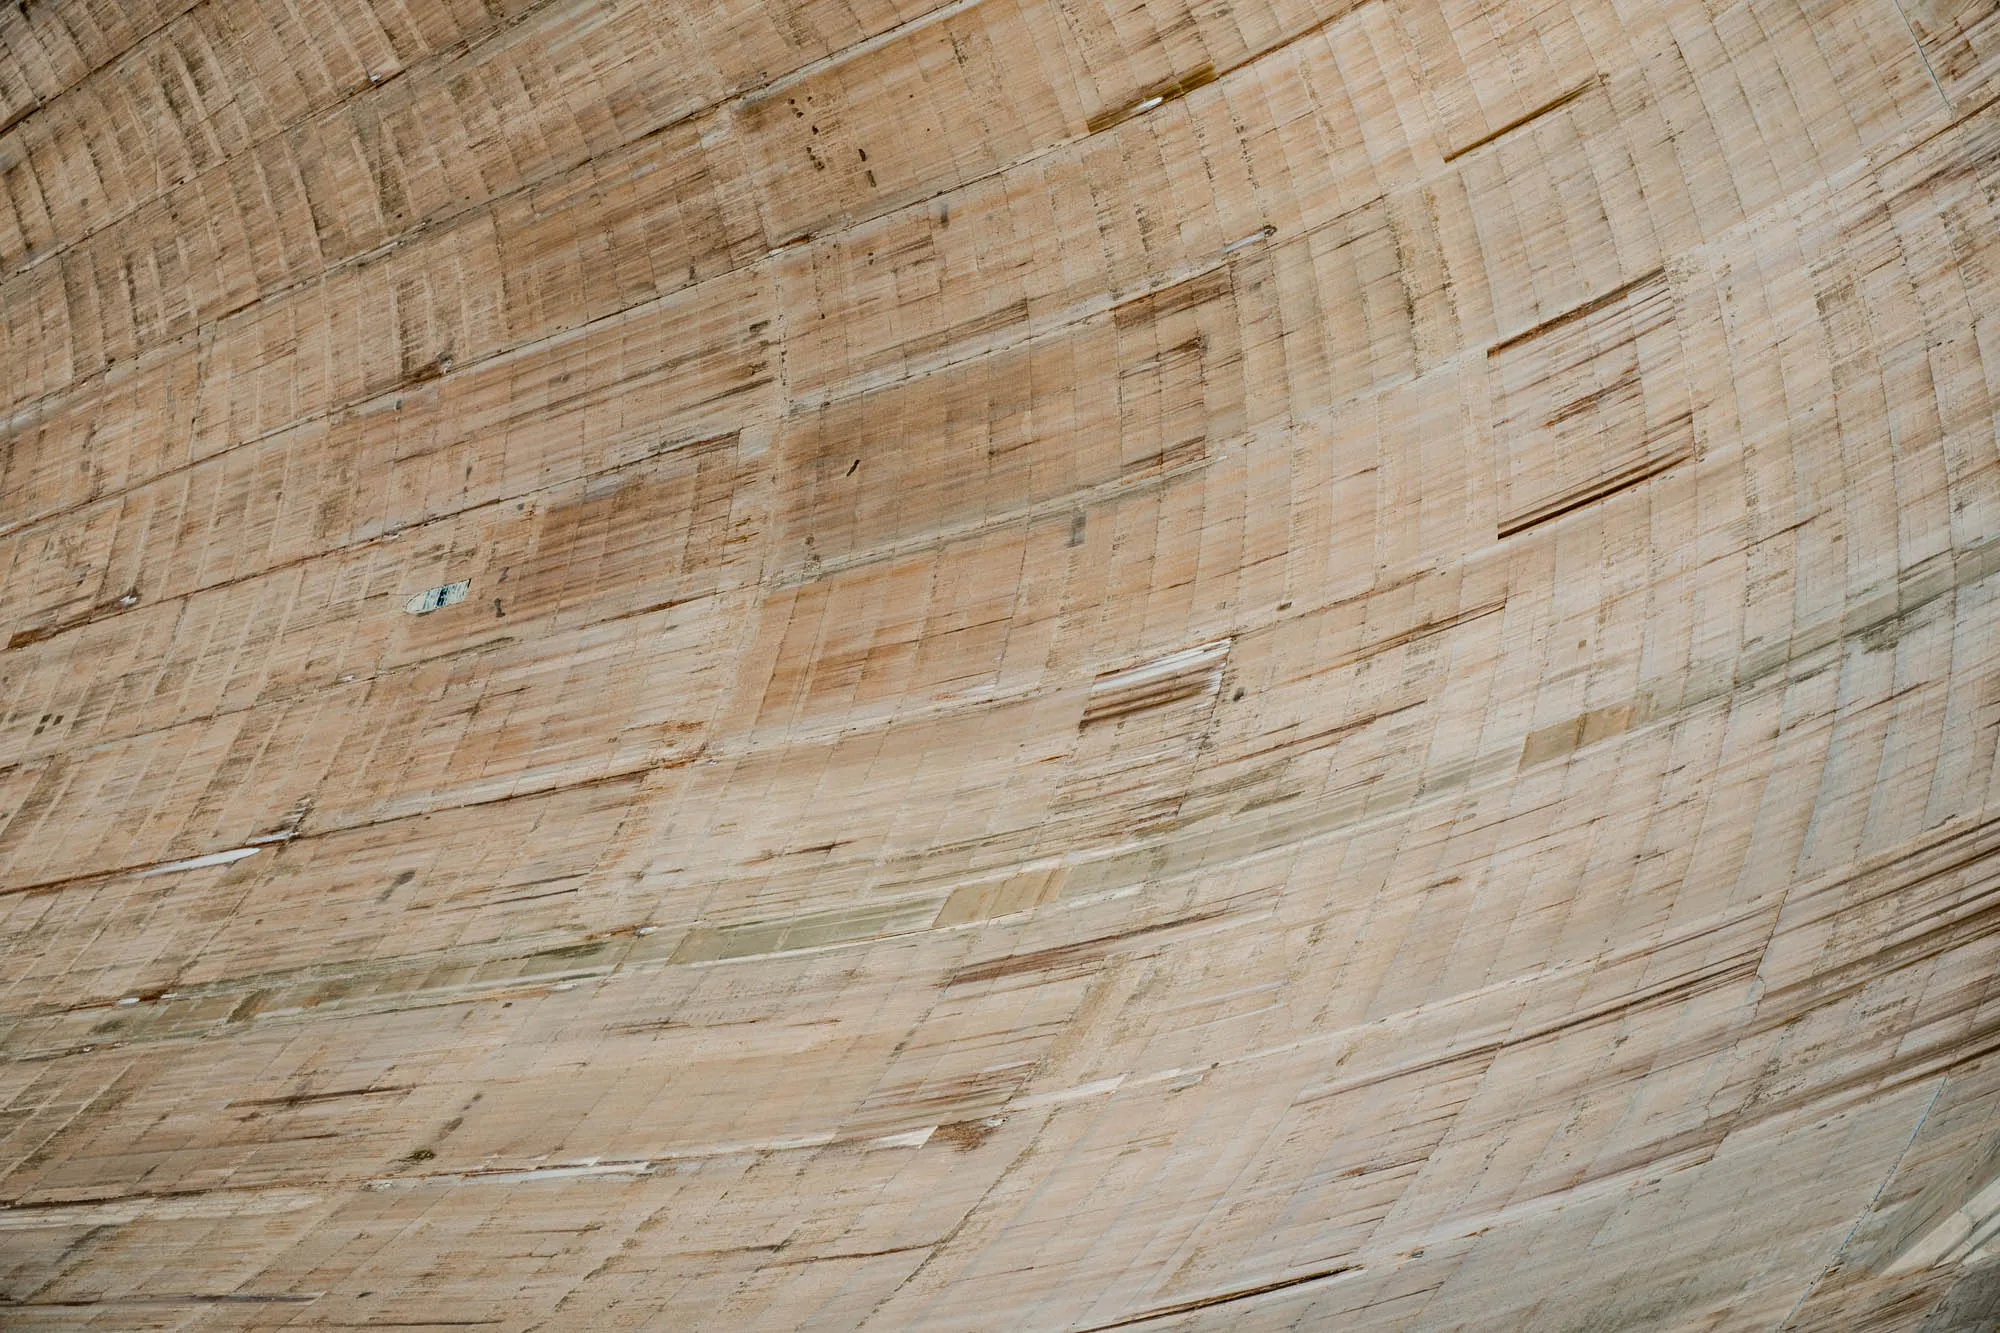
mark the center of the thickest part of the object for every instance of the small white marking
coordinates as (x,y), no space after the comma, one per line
(1190,660)
(129,999)
(1102,1088)
(199,862)
(915,1138)
(1147,105)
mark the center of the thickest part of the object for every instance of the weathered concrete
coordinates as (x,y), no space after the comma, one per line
(1208,666)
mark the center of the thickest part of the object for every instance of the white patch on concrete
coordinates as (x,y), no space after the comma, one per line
(1104,1087)
(434,599)
(198,862)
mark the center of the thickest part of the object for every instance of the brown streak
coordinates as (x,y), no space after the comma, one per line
(1519,121)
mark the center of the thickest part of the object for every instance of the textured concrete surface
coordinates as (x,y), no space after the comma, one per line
(1203,665)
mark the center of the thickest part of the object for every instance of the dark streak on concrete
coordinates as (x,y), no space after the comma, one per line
(1224,1298)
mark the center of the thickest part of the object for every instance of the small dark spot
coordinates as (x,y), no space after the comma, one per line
(1238,695)
(420,1155)
(852,469)
(863,152)
(405,877)
(1285,605)
(497,612)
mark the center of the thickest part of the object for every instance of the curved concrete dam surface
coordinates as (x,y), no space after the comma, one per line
(997,665)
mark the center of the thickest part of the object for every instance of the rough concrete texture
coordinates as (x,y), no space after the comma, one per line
(1211,665)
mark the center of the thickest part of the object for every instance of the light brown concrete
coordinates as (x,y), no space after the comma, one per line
(1188,665)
